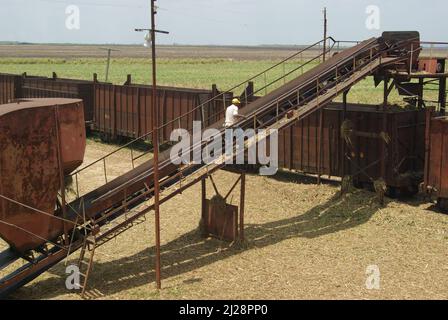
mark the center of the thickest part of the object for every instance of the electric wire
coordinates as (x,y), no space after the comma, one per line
(37,210)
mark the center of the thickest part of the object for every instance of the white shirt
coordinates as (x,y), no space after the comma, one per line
(231,112)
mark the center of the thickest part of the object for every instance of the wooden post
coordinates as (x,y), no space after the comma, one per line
(128,80)
(250,91)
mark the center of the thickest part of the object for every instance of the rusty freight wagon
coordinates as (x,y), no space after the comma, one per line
(436,169)
(326,150)
(125,111)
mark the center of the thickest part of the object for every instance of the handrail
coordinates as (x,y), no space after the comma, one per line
(315,95)
(203,104)
(244,82)
(252,115)
(319,89)
(356,68)
(328,50)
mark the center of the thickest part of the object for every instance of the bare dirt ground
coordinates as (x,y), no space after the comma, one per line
(166,51)
(303,241)
(171,52)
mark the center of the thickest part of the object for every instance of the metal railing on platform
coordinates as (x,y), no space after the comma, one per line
(287,69)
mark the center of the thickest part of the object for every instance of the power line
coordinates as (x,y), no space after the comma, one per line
(37,210)
(46,240)
(181,12)
(32,234)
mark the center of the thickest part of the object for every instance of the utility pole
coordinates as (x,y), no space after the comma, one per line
(155,138)
(325,33)
(109,50)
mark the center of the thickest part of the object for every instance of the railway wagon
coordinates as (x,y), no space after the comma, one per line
(42,87)
(326,150)
(10,87)
(122,111)
(125,111)
(436,169)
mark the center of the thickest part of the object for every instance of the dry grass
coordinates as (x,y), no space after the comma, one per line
(303,242)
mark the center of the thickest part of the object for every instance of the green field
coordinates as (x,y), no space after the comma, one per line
(190,73)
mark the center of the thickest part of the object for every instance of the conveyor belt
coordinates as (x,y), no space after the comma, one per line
(133,180)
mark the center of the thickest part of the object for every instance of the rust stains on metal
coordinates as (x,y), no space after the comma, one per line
(431,65)
(30,170)
(220,220)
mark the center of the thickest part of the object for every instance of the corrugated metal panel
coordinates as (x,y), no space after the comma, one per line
(299,144)
(41,87)
(9,87)
(438,160)
(104,109)
(131,106)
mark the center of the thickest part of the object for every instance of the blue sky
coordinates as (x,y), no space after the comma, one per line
(225,22)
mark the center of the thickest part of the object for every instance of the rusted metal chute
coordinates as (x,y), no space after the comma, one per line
(41,140)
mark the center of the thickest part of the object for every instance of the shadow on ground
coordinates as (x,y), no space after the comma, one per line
(190,251)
